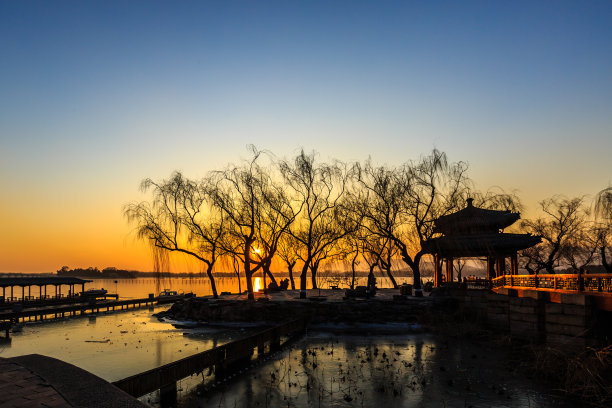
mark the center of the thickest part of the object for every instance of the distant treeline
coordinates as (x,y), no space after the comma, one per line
(114,273)
(91,272)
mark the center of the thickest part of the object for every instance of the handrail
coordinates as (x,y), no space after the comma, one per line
(577,282)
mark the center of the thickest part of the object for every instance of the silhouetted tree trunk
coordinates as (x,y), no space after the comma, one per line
(604,260)
(213,286)
(386,262)
(303,276)
(290,266)
(353,267)
(266,270)
(313,271)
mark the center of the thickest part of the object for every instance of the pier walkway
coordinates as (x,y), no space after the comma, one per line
(55,311)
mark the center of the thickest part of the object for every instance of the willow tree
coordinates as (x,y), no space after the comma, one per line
(379,199)
(401,204)
(287,253)
(603,214)
(324,219)
(180,217)
(257,212)
(564,219)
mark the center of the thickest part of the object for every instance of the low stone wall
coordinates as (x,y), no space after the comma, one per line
(570,321)
(410,310)
(532,316)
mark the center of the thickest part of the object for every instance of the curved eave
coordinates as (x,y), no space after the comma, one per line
(475,220)
(479,245)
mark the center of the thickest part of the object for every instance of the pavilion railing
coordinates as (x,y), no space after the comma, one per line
(580,282)
(476,283)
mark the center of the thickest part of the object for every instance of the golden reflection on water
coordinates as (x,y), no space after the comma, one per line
(142,287)
(114,346)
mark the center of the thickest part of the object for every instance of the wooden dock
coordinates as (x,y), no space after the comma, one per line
(5,326)
(224,359)
(55,311)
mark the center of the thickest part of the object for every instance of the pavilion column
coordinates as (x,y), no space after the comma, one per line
(514,264)
(501,266)
(437,272)
(29,292)
(23,293)
(490,268)
(11,293)
(449,269)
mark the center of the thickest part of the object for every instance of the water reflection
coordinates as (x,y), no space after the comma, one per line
(114,345)
(142,287)
(413,370)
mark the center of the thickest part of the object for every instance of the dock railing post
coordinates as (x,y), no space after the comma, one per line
(275,342)
(167,395)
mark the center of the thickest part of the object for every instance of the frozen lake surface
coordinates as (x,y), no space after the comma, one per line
(404,368)
(115,345)
(401,370)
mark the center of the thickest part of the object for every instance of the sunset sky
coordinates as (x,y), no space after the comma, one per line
(97,95)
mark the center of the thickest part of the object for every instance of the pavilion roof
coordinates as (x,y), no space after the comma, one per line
(36,281)
(474,220)
(476,245)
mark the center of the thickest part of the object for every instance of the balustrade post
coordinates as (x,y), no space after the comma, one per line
(599,285)
(555,282)
(436,270)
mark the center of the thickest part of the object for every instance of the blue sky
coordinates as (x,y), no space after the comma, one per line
(95,96)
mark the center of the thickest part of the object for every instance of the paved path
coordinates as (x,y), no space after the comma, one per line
(20,387)
(39,381)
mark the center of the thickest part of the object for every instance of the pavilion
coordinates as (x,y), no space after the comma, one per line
(42,283)
(477,232)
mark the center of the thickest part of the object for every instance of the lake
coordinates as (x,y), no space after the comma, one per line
(406,369)
(142,287)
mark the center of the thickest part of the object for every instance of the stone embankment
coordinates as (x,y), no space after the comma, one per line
(569,321)
(407,310)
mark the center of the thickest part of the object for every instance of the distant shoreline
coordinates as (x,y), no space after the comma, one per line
(138,275)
